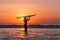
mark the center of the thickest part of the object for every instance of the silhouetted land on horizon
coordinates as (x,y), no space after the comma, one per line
(30,26)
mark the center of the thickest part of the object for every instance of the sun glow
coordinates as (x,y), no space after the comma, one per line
(22,18)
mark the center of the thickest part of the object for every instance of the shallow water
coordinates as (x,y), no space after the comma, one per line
(33,34)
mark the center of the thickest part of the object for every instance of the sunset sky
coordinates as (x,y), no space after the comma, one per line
(47,11)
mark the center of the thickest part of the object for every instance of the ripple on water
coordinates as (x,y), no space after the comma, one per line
(33,34)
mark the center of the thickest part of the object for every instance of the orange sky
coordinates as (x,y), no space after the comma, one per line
(47,11)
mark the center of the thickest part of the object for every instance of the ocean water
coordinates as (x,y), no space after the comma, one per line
(33,34)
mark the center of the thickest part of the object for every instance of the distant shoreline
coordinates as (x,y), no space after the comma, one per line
(30,26)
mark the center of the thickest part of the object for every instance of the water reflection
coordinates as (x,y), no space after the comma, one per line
(20,33)
(12,33)
(33,34)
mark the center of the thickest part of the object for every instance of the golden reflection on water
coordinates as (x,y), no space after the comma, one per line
(20,34)
(21,29)
(36,33)
(12,32)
